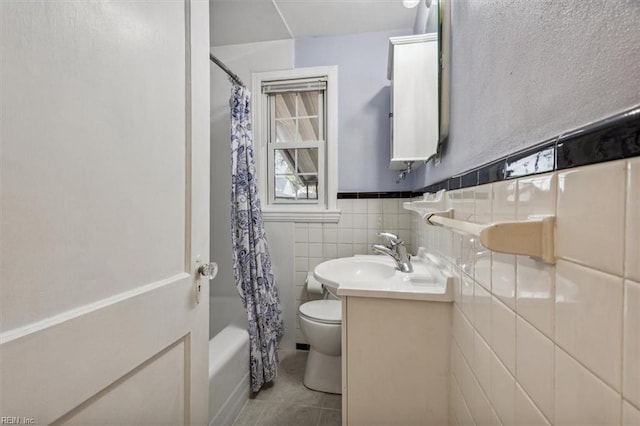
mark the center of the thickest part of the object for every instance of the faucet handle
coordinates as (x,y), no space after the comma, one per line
(392,238)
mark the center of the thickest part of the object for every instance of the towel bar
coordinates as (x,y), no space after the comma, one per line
(533,237)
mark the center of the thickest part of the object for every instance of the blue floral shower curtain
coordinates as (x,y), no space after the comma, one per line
(251,260)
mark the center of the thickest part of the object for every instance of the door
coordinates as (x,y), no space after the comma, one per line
(104,212)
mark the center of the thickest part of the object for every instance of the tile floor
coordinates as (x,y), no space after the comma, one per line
(289,402)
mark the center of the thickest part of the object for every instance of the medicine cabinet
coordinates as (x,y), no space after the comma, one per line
(413,71)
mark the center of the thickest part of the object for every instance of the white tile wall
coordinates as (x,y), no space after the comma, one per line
(590,213)
(482,363)
(536,293)
(548,344)
(359,224)
(466,296)
(461,411)
(503,392)
(482,311)
(581,398)
(534,363)
(463,334)
(465,379)
(526,411)
(632,232)
(630,415)
(589,319)
(503,333)
(631,354)
(503,280)
(483,211)
(481,409)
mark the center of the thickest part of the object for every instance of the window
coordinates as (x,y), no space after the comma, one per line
(295,117)
(295,145)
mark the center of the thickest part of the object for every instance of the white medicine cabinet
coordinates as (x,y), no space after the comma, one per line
(413,71)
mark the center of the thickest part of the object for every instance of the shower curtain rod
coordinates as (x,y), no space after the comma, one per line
(219,63)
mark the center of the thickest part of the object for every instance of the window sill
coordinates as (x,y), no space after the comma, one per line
(270,214)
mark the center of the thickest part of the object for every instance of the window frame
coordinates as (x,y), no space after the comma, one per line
(318,144)
(326,208)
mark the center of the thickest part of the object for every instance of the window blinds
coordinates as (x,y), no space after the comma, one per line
(300,85)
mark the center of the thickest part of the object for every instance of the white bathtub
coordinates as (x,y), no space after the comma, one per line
(228,361)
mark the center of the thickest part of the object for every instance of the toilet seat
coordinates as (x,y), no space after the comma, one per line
(323,311)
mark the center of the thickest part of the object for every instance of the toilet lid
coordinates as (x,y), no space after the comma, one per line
(327,311)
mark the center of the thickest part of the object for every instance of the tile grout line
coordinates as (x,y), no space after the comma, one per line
(259,417)
(633,405)
(627,181)
(556,203)
(591,268)
(534,402)
(581,364)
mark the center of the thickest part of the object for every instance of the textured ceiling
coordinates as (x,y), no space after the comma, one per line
(247,21)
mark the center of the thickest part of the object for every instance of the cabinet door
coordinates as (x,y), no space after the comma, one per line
(414,101)
(397,361)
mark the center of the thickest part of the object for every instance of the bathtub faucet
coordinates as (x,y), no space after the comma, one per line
(396,250)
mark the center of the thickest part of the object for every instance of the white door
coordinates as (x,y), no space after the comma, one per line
(104,109)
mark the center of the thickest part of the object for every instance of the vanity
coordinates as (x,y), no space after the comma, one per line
(395,339)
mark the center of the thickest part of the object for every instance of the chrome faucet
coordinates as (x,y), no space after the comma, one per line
(396,250)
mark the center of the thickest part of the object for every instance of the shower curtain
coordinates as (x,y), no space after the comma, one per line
(251,261)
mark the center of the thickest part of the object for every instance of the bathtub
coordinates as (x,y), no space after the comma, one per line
(228,360)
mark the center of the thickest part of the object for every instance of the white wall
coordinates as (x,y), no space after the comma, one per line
(243,59)
(524,71)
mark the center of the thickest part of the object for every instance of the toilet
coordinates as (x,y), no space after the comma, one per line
(321,324)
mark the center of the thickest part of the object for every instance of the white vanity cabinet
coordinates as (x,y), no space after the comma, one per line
(395,361)
(413,71)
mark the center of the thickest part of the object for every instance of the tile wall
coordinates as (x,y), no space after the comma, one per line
(547,344)
(360,222)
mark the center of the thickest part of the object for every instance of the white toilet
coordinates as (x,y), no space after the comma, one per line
(321,324)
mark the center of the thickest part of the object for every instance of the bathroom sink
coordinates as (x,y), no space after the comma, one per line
(377,276)
(357,268)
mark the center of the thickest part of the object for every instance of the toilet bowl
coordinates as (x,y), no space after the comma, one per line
(321,325)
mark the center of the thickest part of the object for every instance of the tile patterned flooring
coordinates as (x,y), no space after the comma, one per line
(289,402)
